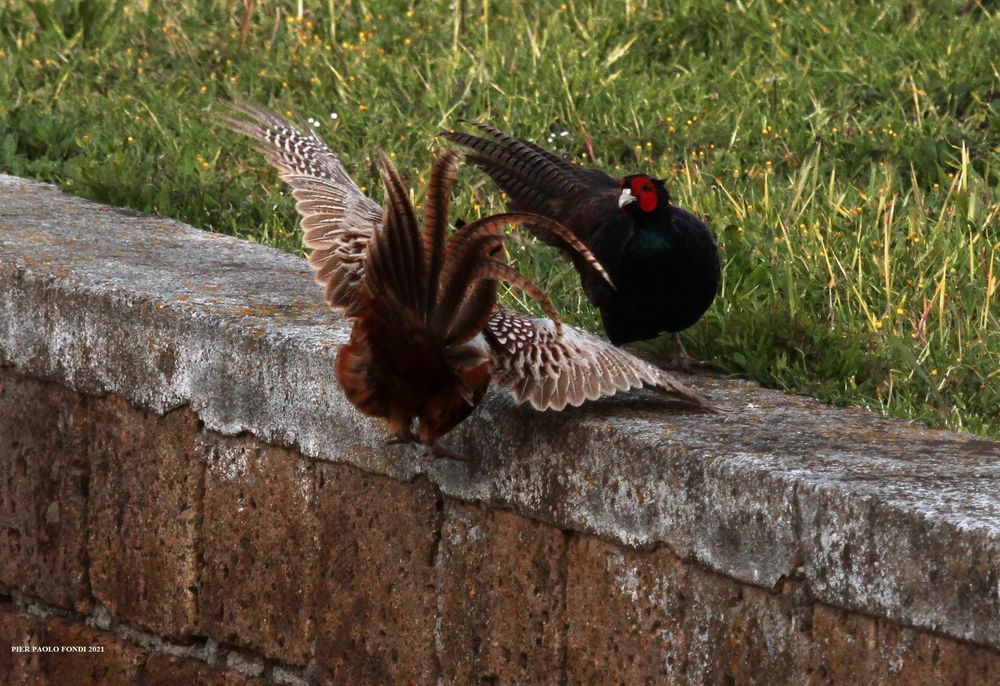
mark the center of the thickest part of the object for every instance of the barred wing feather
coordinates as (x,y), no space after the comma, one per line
(550,371)
(337,219)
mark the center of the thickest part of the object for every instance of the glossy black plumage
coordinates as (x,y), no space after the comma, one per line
(662,259)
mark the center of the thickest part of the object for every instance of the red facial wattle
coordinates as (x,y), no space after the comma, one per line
(643,189)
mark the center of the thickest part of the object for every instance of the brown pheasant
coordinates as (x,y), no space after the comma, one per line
(427,339)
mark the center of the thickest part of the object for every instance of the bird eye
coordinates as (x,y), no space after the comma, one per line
(647,187)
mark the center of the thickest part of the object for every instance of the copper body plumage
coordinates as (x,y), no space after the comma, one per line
(427,338)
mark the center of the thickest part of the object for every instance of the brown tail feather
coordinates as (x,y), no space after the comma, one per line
(402,244)
(472,313)
(461,260)
(436,221)
(501,271)
(466,250)
(574,244)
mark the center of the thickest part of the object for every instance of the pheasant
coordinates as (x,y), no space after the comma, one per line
(427,338)
(662,259)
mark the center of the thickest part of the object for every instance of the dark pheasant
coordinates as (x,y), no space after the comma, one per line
(427,337)
(662,259)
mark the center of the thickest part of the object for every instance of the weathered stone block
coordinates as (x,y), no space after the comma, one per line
(107,661)
(169,670)
(857,649)
(375,608)
(259,547)
(741,634)
(16,668)
(625,615)
(500,599)
(871,553)
(144,510)
(43,491)
(648,617)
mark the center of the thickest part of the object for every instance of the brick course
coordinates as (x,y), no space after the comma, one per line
(500,598)
(375,607)
(259,559)
(648,617)
(43,491)
(170,670)
(360,578)
(117,663)
(144,509)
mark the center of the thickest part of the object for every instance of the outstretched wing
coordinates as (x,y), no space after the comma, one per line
(540,181)
(525,169)
(583,199)
(550,371)
(336,217)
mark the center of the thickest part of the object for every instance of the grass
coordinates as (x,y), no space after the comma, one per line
(846,154)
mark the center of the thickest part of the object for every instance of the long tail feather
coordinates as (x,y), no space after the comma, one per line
(501,271)
(403,246)
(528,165)
(436,221)
(494,222)
(465,252)
(461,262)
(572,242)
(472,313)
(517,145)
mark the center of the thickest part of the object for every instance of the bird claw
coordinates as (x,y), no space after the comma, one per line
(439,452)
(682,361)
(402,437)
(687,364)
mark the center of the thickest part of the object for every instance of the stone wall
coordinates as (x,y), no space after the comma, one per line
(185,492)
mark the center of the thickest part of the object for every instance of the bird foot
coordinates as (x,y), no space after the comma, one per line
(440,452)
(402,437)
(681,361)
(685,363)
